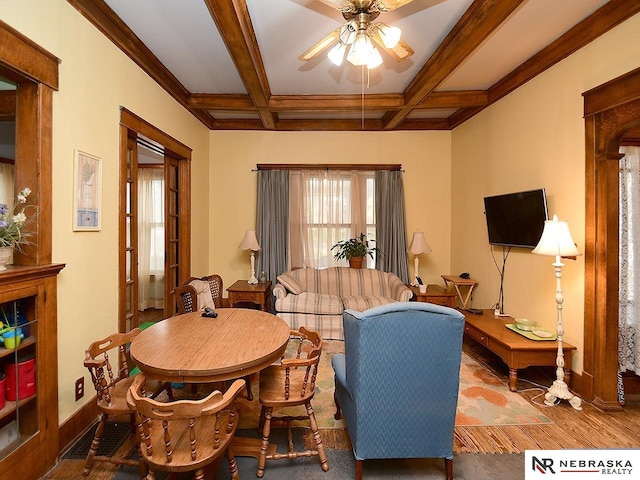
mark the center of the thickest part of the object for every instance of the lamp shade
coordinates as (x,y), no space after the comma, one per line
(390,35)
(250,242)
(419,244)
(363,52)
(556,240)
(336,54)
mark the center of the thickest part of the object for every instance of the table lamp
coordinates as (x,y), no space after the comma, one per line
(250,242)
(418,246)
(556,241)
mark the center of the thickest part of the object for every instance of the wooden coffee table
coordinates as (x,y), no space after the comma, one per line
(514,349)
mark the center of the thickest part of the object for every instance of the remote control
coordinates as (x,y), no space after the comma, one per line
(209,312)
(475,311)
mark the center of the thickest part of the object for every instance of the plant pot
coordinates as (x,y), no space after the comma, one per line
(356,262)
(6,257)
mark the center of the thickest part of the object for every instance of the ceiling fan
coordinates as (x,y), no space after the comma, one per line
(360,32)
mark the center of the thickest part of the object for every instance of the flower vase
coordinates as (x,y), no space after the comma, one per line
(6,256)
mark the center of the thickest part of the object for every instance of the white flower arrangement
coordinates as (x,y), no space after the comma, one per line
(12,224)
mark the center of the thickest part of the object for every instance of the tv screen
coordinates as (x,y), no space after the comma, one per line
(516,219)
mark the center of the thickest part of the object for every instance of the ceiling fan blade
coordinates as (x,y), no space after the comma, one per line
(400,52)
(341,5)
(387,5)
(323,44)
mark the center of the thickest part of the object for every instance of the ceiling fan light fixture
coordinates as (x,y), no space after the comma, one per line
(363,52)
(390,35)
(361,39)
(348,32)
(375,59)
(336,54)
(359,52)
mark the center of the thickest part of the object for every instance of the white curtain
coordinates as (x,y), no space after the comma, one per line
(150,238)
(629,297)
(326,206)
(6,185)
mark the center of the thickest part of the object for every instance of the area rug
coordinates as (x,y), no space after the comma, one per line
(342,466)
(483,400)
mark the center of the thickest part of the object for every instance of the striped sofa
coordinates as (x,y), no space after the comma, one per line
(316,298)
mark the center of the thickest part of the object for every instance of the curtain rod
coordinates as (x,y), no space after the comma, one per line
(328,166)
(630,142)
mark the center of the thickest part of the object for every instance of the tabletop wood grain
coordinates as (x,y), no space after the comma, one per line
(194,349)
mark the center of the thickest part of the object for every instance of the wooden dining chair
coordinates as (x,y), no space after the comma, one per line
(196,293)
(185,435)
(292,382)
(111,385)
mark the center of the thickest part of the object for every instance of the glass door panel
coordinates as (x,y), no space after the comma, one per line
(172,233)
(19,419)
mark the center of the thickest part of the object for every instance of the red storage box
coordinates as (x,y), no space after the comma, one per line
(25,383)
(2,384)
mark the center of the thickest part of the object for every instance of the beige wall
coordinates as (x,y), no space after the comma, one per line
(534,138)
(425,157)
(95,80)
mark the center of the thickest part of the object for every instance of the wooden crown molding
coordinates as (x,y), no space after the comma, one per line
(263,109)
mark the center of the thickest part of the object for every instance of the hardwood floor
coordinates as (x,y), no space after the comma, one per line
(150,315)
(589,428)
(586,429)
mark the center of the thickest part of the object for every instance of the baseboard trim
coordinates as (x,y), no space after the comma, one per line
(76,426)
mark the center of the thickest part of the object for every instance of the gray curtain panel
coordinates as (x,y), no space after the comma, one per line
(272,222)
(391,224)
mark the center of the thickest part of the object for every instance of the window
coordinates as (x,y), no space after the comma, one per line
(326,206)
(151,238)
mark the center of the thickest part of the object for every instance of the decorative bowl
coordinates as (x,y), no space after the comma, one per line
(525,324)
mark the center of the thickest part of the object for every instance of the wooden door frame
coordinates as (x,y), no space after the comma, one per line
(131,122)
(610,110)
(35,71)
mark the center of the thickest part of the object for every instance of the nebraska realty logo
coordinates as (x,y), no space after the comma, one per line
(568,464)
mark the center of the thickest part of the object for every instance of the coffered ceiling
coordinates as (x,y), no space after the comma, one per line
(234,63)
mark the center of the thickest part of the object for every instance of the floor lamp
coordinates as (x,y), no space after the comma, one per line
(250,242)
(556,241)
(418,246)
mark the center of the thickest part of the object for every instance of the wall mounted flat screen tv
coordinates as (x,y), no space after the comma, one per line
(516,219)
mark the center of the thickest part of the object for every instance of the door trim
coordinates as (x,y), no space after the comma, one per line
(610,110)
(132,124)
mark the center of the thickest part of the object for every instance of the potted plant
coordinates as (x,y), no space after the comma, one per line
(13,227)
(354,250)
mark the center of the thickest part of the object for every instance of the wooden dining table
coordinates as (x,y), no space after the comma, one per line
(190,348)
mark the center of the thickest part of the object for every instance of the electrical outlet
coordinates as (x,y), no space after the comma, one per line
(79,388)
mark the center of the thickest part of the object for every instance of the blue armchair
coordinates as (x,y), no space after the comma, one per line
(397,382)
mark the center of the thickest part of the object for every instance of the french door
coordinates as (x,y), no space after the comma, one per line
(176,220)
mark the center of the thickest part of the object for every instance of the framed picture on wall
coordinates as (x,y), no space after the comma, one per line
(87,192)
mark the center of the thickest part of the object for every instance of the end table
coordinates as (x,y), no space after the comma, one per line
(458,282)
(435,294)
(258,294)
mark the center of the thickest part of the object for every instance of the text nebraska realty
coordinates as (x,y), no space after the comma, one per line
(607,467)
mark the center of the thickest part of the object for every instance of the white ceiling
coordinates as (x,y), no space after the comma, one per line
(184,37)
